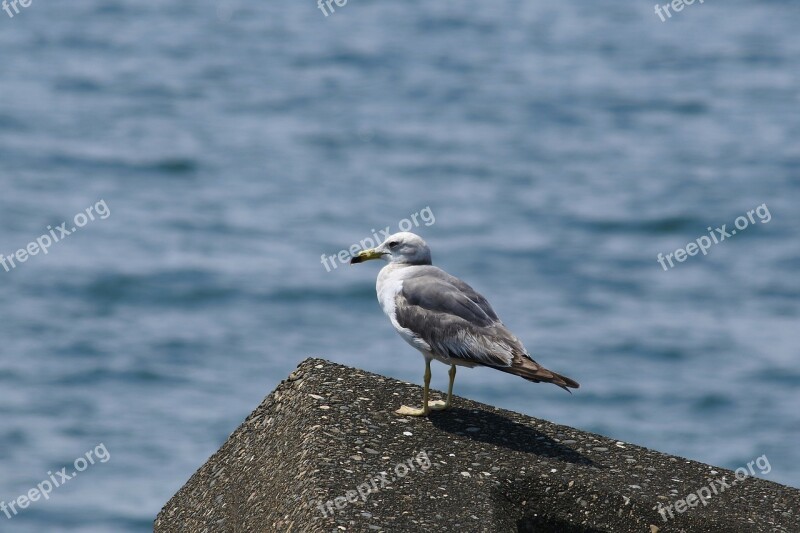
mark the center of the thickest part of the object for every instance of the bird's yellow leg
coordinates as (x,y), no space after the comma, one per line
(410,411)
(439,406)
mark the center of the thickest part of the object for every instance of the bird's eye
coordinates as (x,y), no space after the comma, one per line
(393,244)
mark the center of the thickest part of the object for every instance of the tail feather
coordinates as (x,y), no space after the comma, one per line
(529,369)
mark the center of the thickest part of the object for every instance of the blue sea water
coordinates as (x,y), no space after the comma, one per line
(560,147)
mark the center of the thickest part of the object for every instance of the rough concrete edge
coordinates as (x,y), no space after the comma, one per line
(287,387)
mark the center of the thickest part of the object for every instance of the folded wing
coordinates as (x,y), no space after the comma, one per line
(459,323)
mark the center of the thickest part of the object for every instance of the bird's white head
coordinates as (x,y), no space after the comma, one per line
(404,247)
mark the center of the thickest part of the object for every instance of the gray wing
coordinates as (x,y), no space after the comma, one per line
(457,322)
(454,319)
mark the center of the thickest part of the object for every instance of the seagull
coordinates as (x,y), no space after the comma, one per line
(445,319)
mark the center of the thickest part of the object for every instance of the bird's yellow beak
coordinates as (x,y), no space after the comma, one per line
(366,255)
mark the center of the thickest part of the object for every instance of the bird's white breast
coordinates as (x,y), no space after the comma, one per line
(389,284)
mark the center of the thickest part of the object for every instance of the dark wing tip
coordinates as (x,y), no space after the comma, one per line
(532,371)
(571,383)
(564,382)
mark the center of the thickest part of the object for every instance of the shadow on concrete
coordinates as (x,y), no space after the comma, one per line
(546,524)
(491,428)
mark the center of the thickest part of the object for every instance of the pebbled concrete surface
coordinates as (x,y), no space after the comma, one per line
(328,434)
